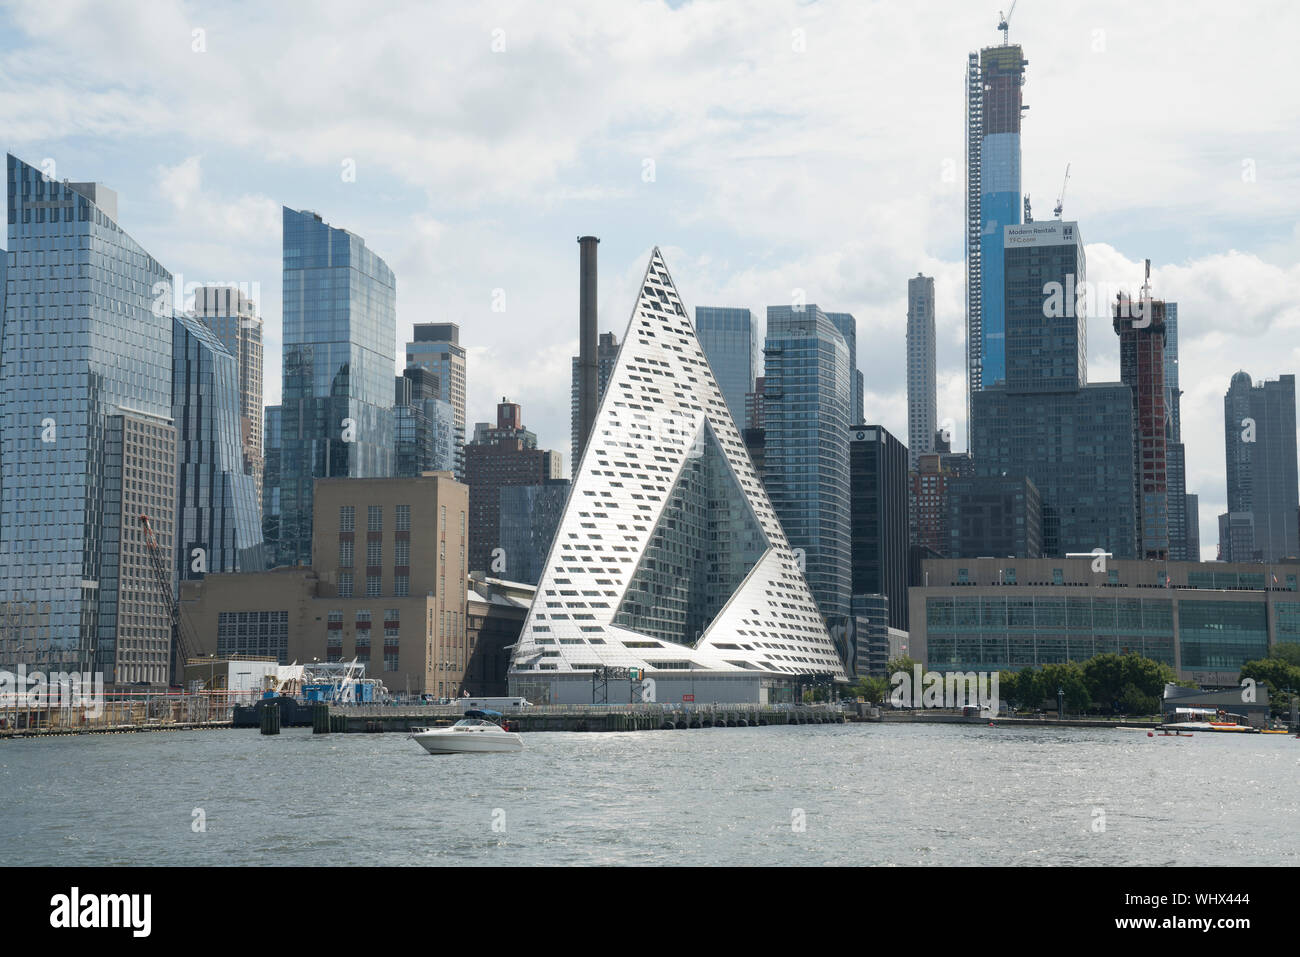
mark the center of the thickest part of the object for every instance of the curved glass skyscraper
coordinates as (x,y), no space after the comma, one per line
(86,436)
(340,338)
(218,525)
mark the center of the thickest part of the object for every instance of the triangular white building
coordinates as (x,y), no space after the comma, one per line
(669,557)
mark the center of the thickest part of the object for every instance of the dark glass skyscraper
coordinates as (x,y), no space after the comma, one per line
(1260,446)
(218,524)
(1072,440)
(807,391)
(340,337)
(1046,347)
(878,515)
(86,437)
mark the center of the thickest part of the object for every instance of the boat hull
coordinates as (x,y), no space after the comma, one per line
(448,741)
(1211,728)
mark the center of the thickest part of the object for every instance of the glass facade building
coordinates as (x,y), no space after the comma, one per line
(218,523)
(878,517)
(1204,620)
(426,437)
(233,317)
(86,436)
(340,335)
(1259,429)
(436,348)
(1045,347)
(530,514)
(731,343)
(807,394)
(993,202)
(848,328)
(1077,449)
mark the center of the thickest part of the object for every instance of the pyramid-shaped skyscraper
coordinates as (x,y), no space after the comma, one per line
(669,557)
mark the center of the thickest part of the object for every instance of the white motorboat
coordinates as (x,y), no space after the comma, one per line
(477,732)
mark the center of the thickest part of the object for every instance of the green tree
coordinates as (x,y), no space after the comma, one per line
(1104,675)
(1288,651)
(1147,674)
(1109,676)
(1133,701)
(904,664)
(1069,678)
(874,690)
(1277,675)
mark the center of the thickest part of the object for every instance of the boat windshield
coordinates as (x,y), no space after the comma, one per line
(474,723)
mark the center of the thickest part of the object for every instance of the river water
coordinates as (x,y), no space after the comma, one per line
(897,794)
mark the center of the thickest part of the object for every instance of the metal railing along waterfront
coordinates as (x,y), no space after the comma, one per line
(121,711)
(665,707)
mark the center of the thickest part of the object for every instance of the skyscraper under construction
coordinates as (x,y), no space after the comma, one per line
(994,78)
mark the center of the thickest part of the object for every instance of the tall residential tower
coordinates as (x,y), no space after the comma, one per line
(994,106)
(922,390)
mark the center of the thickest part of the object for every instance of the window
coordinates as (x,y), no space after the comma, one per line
(444,518)
(345,584)
(347,518)
(374,554)
(402,586)
(403,553)
(345,554)
(374,518)
(390,660)
(403,518)
(374,585)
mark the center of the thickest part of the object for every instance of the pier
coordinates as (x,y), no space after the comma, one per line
(377,719)
(120,713)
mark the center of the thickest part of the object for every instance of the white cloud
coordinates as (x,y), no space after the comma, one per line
(835,168)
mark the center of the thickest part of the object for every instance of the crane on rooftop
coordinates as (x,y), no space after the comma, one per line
(1004,21)
(1060,200)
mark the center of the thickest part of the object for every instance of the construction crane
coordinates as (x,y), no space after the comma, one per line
(1060,200)
(183,647)
(1004,23)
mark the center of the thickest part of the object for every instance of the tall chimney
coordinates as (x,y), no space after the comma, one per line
(587,374)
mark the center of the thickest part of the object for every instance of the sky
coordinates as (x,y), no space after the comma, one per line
(766,147)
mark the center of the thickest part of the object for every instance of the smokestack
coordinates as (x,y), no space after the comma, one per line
(587,344)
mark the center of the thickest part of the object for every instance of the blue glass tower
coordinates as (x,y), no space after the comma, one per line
(340,336)
(86,437)
(993,202)
(218,525)
(730,341)
(806,465)
(848,328)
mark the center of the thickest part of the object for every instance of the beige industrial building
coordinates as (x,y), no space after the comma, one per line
(387,586)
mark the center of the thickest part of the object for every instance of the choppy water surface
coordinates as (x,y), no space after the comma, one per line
(851,794)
